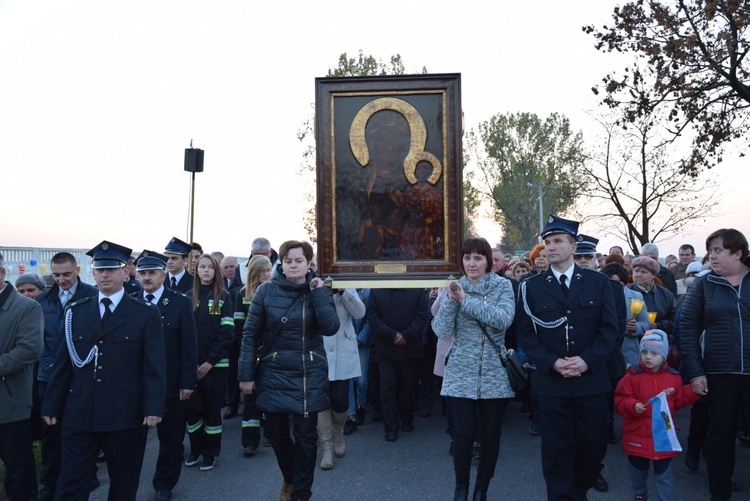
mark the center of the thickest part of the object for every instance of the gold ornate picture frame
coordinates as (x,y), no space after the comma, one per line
(389,184)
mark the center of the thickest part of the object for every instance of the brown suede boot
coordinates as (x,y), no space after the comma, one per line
(286,492)
(339,420)
(324,434)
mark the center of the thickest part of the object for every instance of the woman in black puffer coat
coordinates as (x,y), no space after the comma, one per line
(715,349)
(284,327)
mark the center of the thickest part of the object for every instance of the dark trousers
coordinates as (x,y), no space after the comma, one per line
(296,458)
(397,391)
(51,449)
(373,384)
(339,394)
(698,428)
(426,378)
(124,450)
(16,452)
(251,421)
(203,414)
(573,436)
(233,387)
(727,395)
(489,413)
(171,433)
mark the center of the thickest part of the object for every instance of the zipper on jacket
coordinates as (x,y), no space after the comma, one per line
(479,374)
(738,292)
(481,357)
(7,386)
(304,363)
(270,355)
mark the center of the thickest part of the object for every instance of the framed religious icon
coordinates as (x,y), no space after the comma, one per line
(389,187)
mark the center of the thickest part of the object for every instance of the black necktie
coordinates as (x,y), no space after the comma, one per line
(174,283)
(107,312)
(563,285)
(150,298)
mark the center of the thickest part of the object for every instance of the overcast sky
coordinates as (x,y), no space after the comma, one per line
(99,99)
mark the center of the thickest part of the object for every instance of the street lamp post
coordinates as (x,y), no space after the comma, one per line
(541,207)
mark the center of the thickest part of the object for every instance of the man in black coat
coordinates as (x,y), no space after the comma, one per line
(108,382)
(68,289)
(568,327)
(398,318)
(179,279)
(181,344)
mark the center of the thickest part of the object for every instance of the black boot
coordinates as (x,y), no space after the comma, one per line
(461,493)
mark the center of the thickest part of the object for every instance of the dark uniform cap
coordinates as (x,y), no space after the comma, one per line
(177,246)
(109,255)
(586,245)
(559,225)
(150,260)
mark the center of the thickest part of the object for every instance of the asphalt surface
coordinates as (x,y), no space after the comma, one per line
(415,467)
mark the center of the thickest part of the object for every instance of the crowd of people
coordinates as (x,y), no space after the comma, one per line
(180,340)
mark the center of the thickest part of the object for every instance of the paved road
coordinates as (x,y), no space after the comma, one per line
(416,467)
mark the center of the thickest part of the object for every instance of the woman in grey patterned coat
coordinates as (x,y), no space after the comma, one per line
(475,313)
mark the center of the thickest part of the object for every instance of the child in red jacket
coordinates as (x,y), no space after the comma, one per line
(632,402)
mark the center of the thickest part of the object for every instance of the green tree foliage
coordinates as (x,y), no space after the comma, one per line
(517,152)
(362,65)
(691,55)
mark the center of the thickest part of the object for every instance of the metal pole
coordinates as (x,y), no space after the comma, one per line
(192,206)
(541,211)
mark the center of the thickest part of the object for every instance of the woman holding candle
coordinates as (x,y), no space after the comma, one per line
(637,315)
(659,300)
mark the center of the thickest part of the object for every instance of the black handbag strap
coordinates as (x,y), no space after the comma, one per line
(267,341)
(494,344)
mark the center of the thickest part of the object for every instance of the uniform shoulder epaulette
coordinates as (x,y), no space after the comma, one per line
(178,293)
(673,371)
(78,301)
(586,270)
(535,276)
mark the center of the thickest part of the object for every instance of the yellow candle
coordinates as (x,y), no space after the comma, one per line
(636,306)
(652,317)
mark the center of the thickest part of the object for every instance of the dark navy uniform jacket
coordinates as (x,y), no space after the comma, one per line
(185,285)
(129,381)
(592,330)
(178,324)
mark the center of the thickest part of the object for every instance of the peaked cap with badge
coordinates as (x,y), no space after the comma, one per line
(150,260)
(109,255)
(559,225)
(177,246)
(586,245)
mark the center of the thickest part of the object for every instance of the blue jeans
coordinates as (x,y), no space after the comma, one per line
(638,469)
(358,385)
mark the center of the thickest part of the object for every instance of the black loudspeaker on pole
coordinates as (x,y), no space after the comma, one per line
(193,160)
(193,164)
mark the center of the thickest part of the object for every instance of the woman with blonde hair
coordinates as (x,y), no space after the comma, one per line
(343,364)
(258,272)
